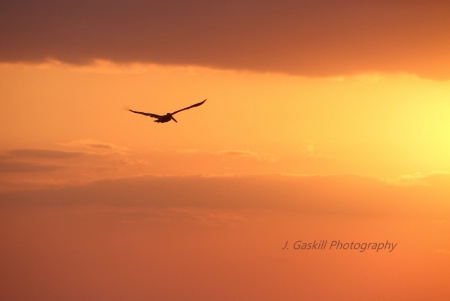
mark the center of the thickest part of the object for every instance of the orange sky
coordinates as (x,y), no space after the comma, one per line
(324,121)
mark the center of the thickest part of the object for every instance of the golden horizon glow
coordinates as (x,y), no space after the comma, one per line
(377,125)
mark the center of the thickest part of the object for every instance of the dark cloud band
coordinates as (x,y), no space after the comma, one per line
(310,38)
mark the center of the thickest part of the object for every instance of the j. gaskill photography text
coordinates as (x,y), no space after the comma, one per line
(338,245)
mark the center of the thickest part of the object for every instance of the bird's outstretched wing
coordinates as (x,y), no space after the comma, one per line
(196,105)
(144,113)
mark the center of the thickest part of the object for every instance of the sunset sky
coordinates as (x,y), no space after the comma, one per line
(324,121)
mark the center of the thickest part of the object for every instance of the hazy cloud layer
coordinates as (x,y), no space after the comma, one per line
(345,195)
(85,161)
(221,238)
(312,38)
(34,160)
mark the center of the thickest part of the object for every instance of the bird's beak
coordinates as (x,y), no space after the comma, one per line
(174,119)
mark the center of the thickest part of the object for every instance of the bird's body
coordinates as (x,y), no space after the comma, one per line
(169,116)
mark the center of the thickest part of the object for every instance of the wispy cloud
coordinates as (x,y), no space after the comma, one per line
(76,161)
(35,160)
(434,178)
(243,153)
(95,146)
(37,153)
(19,167)
(230,153)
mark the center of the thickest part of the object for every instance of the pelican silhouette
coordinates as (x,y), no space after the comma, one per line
(169,116)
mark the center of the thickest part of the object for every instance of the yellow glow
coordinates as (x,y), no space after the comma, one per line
(382,125)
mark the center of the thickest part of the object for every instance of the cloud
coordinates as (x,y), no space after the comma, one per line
(38,153)
(138,237)
(238,153)
(431,179)
(309,38)
(95,146)
(15,167)
(85,161)
(340,195)
(247,154)
(230,153)
(35,160)
(244,153)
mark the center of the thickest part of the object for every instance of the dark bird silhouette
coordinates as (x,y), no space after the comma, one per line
(169,116)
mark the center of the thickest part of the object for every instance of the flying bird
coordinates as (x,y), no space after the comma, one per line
(169,116)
